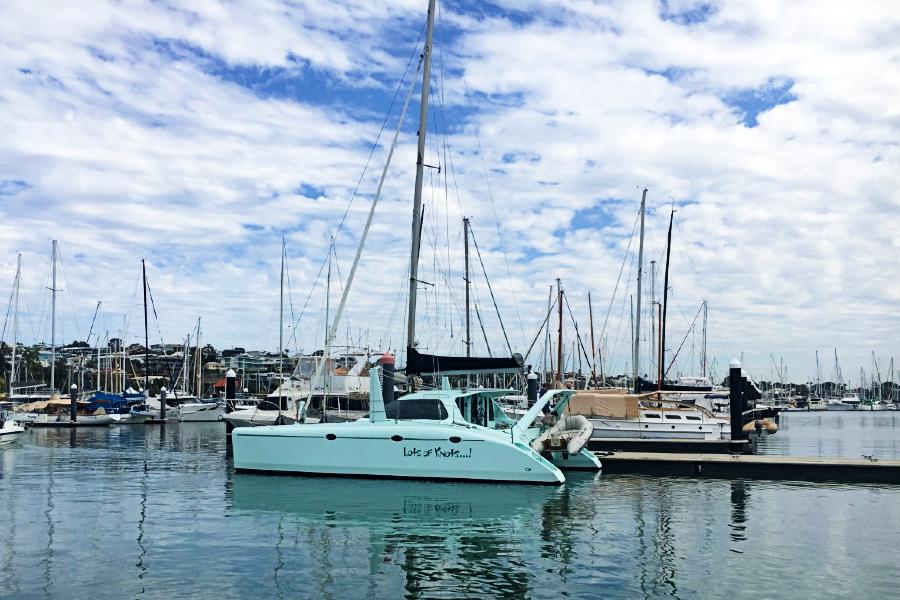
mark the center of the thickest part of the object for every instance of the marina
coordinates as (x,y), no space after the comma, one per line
(436,299)
(176,502)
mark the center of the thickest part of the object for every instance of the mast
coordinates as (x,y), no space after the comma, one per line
(653,316)
(559,342)
(12,368)
(146,335)
(662,334)
(198,364)
(703,359)
(593,347)
(547,349)
(468,324)
(818,382)
(281,328)
(327,317)
(417,198)
(631,331)
(640,276)
(53,319)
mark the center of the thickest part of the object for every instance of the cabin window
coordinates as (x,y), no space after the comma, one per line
(692,418)
(673,417)
(651,415)
(428,409)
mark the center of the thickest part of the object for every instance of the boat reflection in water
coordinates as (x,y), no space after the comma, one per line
(431,538)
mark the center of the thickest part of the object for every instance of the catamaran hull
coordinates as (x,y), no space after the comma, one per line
(346,450)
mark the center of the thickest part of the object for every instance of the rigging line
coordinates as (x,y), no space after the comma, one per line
(499,232)
(683,340)
(362,241)
(9,306)
(491,290)
(577,333)
(71,294)
(287,276)
(381,130)
(480,321)
(619,278)
(544,323)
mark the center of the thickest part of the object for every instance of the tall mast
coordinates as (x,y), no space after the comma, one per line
(559,331)
(593,347)
(281,328)
(818,382)
(122,344)
(547,349)
(704,358)
(637,321)
(468,323)
(653,316)
(198,364)
(662,334)
(146,334)
(53,319)
(417,198)
(12,368)
(327,321)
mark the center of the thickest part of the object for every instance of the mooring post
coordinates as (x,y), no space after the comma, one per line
(532,388)
(73,404)
(736,400)
(162,403)
(230,395)
(387,377)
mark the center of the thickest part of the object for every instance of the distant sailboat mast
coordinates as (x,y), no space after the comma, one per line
(12,365)
(637,322)
(53,319)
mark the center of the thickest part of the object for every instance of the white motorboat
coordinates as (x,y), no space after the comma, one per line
(617,414)
(425,435)
(200,411)
(10,431)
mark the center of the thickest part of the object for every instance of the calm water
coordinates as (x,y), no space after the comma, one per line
(836,433)
(146,511)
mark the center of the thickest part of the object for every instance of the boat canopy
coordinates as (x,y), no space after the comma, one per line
(427,364)
(604,404)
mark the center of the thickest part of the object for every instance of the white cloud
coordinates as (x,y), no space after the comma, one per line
(134,149)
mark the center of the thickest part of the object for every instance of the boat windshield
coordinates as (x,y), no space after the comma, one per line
(428,409)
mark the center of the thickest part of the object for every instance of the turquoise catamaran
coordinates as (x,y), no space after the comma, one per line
(431,434)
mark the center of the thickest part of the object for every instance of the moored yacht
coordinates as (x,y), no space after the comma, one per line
(615,414)
(425,435)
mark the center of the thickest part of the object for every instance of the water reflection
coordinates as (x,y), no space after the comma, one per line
(740,492)
(439,535)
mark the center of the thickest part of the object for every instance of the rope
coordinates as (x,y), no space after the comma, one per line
(362,240)
(491,290)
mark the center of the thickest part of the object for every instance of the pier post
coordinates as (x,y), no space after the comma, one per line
(162,403)
(73,403)
(387,377)
(532,388)
(736,399)
(230,395)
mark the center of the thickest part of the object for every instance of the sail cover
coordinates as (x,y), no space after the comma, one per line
(426,364)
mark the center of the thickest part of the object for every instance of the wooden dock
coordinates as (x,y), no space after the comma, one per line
(652,445)
(753,466)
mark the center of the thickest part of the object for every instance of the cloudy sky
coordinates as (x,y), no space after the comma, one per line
(197,134)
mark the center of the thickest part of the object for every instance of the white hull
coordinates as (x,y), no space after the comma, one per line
(641,429)
(200,412)
(10,432)
(251,417)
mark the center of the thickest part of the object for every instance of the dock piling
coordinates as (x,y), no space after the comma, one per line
(73,404)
